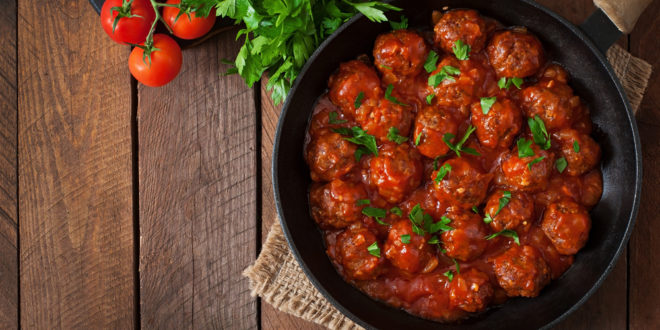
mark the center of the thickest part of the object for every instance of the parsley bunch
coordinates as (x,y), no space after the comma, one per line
(280,35)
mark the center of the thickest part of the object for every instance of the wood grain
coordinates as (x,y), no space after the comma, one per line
(75,206)
(8,163)
(197,181)
(644,269)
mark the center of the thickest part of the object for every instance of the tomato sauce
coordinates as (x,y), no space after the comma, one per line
(453,169)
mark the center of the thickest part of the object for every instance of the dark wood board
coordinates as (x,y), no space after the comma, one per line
(198,186)
(75,206)
(8,170)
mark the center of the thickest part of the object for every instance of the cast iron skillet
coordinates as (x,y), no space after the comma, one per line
(592,78)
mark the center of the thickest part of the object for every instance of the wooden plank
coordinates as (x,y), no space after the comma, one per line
(76,218)
(197,174)
(271,318)
(8,162)
(644,290)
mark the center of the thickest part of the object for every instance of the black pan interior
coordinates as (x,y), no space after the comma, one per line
(592,79)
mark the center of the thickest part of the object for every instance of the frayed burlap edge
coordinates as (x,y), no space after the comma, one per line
(277,278)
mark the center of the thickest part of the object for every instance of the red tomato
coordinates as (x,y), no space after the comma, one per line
(187,25)
(164,65)
(134,23)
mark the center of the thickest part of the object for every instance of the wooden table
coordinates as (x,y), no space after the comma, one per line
(125,206)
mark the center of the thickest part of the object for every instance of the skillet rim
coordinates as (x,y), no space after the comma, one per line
(632,123)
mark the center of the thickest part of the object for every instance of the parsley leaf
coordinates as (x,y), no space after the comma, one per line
(445,73)
(405,239)
(449,274)
(458,268)
(361,202)
(505,83)
(361,151)
(534,161)
(444,170)
(429,98)
(435,163)
(442,225)
(504,201)
(461,50)
(374,212)
(576,147)
(358,100)
(561,164)
(524,148)
(418,139)
(486,103)
(541,136)
(360,137)
(475,210)
(389,97)
(332,118)
(434,240)
(393,135)
(507,233)
(488,218)
(374,250)
(431,61)
(400,25)
(458,147)
(373,10)
(396,210)
(416,216)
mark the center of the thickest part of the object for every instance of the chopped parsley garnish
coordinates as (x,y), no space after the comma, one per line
(561,164)
(475,210)
(361,151)
(461,50)
(435,163)
(393,135)
(444,170)
(505,83)
(458,267)
(416,216)
(405,239)
(358,100)
(449,274)
(541,136)
(434,240)
(374,212)
(400,25)
(361,138)
(385,66)
(504,200)
(332,118)
(441,226)
(374,250)
(458,147)
(446,72)
(488,219)
(396,210)
(486,103)
(343,131)
(507,233)
(389,97)
(418,139)
(576,146)
(431,62)
(429,98)
(361,202)
(422,223)
(534,161)
(525,148)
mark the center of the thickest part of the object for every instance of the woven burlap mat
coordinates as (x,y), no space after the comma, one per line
(278,280)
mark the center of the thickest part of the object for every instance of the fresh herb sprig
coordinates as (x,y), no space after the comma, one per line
(458,147)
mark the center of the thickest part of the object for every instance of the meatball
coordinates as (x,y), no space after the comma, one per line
(396,171)
(470,290)
(334,205)
(432,123)
(353,255)
(581,152)
(592,188)
(567,225)
(400,53)
(416,256)
(351,79)
(516,213)
(330,156)
(457,90)
(378,119)
(461,24)
(320,121)
(526,173)
(467,239)
(521,271)
(552,101)
(465,185)
(499,126)
(515,53)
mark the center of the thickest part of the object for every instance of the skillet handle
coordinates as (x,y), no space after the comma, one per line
(623,13)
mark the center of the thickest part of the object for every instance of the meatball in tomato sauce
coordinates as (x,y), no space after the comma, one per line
(552,101)
(399,54)
(409,251)
(581,152)
(456,89)
(521,271)
(330,156)
(335,205)
(353,255)
(510,210)
(396,171)
(465,241)
(526,173)
(465,25)
(499,125)
(567,225)
(378,119)
(354,80)
(465,184)
(515,53)
(470,290)
(431,124)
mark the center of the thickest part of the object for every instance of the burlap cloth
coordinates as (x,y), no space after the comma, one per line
(277,278)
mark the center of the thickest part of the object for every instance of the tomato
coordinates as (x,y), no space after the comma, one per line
(164,65)
(187,25)
(135,19)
